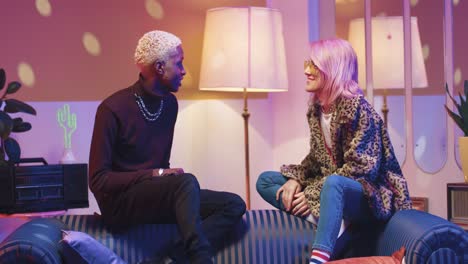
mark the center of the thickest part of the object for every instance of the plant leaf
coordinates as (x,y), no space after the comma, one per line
(12,149)
(15,106)
(450,96)
(462,100)
(466,88)
(23,127)
(17,121)
(458,120)
(461,120)
(6,125)
(13,87)
(2,78)
(463,105)
(463,111)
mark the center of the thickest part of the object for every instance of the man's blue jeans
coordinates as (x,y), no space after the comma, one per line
(340,198)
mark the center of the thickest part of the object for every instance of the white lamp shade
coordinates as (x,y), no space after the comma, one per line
(243,47)
(388,52)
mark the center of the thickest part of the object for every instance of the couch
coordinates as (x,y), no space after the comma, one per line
(263,236)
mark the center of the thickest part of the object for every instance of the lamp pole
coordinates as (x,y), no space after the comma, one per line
(385,108)
(246,116)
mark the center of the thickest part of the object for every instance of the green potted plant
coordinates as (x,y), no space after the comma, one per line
(10,151)
(461,119)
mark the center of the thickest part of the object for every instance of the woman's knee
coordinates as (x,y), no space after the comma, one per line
(264,180)
(333,182)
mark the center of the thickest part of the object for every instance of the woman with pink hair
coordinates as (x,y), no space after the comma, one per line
(351,174)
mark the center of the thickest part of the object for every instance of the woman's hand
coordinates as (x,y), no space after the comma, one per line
(300,207)
(288,189)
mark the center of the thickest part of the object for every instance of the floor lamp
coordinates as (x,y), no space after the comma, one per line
(388,54)
(243,51)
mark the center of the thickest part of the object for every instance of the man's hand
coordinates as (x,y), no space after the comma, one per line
(174,171)
(300,207)
(288,189)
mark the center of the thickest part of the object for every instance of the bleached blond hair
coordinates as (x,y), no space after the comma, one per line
(337,61)
(155,46)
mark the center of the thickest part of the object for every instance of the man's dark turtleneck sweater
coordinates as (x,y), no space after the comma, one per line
(125,147)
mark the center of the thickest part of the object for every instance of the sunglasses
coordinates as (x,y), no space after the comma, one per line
(311,68)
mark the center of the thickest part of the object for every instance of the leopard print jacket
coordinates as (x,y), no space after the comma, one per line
(361,150)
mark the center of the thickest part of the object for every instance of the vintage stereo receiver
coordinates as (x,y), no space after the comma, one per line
(457,204)
(38,188)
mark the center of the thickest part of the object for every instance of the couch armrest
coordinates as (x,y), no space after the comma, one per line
(33,242)
(426,237)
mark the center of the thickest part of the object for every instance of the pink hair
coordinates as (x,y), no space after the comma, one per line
(337,61)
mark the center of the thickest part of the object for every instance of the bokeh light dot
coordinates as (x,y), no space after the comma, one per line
(26,74)
(414,2)
(426,51)
(91,44)
(457,76)
(154,9)
(43,7)
(456,2)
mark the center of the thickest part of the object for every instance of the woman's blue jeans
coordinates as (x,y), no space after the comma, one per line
(340,198)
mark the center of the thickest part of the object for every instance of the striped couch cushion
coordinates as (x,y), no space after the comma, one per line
(264,236)
(268,236)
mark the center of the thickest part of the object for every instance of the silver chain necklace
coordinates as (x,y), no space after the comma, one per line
(145,112)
